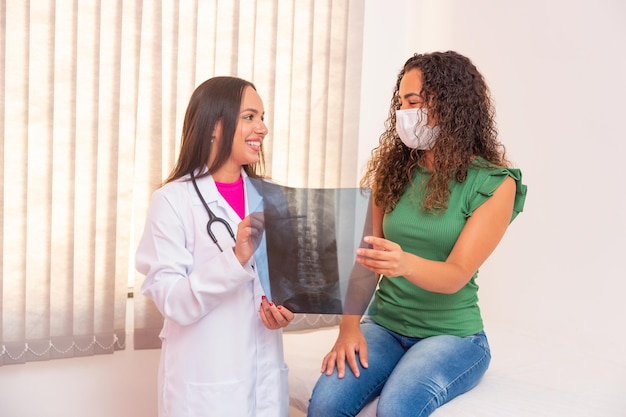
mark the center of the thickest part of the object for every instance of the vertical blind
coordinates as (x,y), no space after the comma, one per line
(305,59)
(92,98)
(65,194)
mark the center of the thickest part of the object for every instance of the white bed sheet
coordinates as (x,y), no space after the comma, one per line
(527,377)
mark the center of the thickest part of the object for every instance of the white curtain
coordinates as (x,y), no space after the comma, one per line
(92,97)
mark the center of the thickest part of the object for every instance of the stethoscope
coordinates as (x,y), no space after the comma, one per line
(212,217)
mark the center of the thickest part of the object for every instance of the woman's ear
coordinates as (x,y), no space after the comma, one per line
(432,117)
(217,131)
(215,139)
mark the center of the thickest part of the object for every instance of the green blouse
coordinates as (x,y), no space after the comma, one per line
(407,309)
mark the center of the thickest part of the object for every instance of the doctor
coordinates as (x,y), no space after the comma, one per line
(222,351)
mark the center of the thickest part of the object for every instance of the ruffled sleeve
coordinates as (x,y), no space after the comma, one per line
(487,182)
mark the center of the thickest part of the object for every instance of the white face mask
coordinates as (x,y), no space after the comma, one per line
(413,131)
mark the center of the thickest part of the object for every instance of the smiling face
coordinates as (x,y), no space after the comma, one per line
(249,135)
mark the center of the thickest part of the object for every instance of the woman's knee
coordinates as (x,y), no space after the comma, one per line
(320,407)
(392,406)
(334,397)
(324,401)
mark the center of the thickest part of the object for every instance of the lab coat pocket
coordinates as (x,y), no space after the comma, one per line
(225,399)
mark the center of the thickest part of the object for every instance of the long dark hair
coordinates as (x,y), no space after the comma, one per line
(456,93)
(218,99)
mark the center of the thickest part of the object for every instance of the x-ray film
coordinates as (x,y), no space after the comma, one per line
(311,237)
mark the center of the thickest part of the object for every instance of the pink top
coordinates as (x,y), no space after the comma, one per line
(233,194)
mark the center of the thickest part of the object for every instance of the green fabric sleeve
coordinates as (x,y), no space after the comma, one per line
(492,180)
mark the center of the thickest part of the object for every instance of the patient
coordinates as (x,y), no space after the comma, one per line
(443,196)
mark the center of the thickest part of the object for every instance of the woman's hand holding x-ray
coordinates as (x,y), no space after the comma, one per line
(249,233)
(384,257)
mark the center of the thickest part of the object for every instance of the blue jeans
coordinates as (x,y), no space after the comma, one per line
(412,376)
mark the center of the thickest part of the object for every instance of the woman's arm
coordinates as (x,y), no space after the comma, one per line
(185,286)
(350,340)
(478,239)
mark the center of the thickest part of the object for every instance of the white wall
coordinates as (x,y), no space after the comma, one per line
(557,70)
(122,384)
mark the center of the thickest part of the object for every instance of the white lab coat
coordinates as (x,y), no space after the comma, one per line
(217,359)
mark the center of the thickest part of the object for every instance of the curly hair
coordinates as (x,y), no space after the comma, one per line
(457,95)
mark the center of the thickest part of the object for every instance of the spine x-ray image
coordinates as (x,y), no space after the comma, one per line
(311,236)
